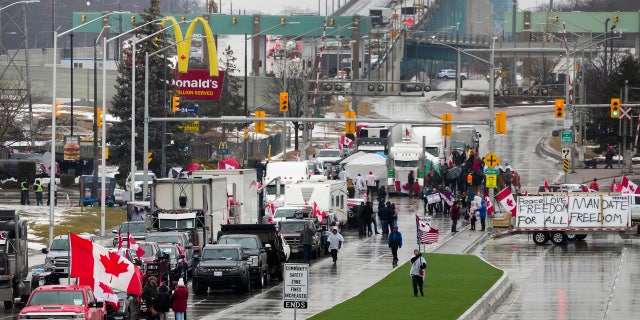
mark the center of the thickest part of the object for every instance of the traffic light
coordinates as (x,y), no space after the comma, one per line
(57,109)
(234,20)
(332,22)
(284,101)
(149,154)
(83,18)
(282,20)
(615,108)
(555,18)
(501,122)
(175,104)
(99,118)
(133,19)
(446,128)
(558,110)
(615,19)
(350,127)
(259,125)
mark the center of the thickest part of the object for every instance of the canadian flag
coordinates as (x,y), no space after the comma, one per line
(133,245)
(318,213)
(546,185)
(101,291)
(613,185)
(628,186)
(90,260)
(406,132)
(181,251)
(490,208)
(344,141)
(506,199)
(269,211)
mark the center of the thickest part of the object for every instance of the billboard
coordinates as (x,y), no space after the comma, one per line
(183,43)
(197,84)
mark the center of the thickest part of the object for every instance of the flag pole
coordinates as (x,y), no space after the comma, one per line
(69,257)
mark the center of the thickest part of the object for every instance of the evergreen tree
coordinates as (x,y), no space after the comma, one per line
(160,72)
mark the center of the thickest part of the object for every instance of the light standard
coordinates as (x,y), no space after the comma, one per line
(94,183)
(53,125)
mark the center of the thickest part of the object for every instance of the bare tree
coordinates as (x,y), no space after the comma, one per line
(13,114)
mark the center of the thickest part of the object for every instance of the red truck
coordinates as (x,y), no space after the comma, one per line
(63,301)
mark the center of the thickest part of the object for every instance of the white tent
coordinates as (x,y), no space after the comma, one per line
(375,163)
(353,157)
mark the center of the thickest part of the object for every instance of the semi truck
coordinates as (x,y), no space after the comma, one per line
(242,193)
(404,157)
(563,217)
(329,196)
(373,139)
(16,280)
(190,205)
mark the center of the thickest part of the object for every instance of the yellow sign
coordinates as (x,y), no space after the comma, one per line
(183,44)
(491,160)
(193,126)
(491,181)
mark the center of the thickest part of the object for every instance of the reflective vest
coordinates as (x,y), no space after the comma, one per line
(23,186)
(469,178)
(37,187)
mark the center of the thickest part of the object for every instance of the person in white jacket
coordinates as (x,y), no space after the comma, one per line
(335,240)
(418,266)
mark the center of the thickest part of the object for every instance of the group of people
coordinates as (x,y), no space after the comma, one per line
(366,217)
(159,300)
(37,190)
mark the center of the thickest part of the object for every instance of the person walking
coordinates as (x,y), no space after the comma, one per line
(395,242)
(335,244)
(37,190)
(383,215)
(24,193)
(362,228)
(454,213)
(369,216)
(411,179)
(162,304)
(360,184)
(393,214)
(306,239)
(371,184)
(179,300)
(343,175)
(418,266)
(609,158)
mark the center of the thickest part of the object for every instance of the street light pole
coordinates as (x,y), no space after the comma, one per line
(492,89)
(94,183)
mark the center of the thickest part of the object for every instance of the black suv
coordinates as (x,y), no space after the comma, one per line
(221,266)
(291,229)
(258,263)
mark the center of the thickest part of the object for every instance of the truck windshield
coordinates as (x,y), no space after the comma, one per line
(406,164)
(432,151)
(292,227)
(329,153)
(132,228)
(59,245)
(162,239)
(271,189)
(220,254)
(63,297)
(246,243)
(285,212)
(176,223)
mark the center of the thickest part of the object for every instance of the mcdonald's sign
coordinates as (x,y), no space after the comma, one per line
(196,84)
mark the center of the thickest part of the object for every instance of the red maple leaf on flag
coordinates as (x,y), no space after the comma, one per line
(510,203)
(104,287)
(112,264)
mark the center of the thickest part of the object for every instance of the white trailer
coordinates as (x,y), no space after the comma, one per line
(433,142)
(280,173)
(330,196)
(242,192)
(405,157)
(562,217)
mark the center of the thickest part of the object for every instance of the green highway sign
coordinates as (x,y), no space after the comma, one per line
(567,136)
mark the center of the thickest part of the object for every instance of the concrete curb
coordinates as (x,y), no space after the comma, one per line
(483,308)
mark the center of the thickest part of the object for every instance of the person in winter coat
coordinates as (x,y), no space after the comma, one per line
(179,300)
(454,213)
(395,242)
(150,290)
(482,211)
(335,244)
(411,179)
(383,215)
(418,264)
(162,303)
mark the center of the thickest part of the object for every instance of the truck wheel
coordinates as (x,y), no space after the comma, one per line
(580,237)
(558,238)
(263,280)
(8,305)
(198,288)
(540,237)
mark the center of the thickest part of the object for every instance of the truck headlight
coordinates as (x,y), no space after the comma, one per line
(49,261)
(253,261)
(78,316)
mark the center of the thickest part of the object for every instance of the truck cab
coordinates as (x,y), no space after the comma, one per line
(15,279)
(57,256)
(63,302)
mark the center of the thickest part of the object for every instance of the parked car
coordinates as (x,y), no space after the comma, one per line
(450,74)
(137,229)
(180,238)
(63,302)
(177,269)
(57,256)
(258,260)
(221,266)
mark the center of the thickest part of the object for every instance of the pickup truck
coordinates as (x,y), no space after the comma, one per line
(258,264)
(57,256)
(221,266)
(63,302)
(274,246)
(291,229)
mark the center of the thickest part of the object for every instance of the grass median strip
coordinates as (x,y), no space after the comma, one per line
(80,220)
(453,283)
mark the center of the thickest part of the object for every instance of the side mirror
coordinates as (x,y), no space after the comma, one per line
(267,245)
(45,250)
(114,231)
(97,304)
(245,256)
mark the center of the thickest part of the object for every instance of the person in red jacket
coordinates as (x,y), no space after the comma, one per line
(179,298)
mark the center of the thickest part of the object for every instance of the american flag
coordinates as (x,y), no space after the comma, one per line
(426,233)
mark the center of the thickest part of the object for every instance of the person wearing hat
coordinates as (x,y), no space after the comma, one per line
(418,266)
(395,242)
(335,240)
(179,300)
(150,291)
(482,212)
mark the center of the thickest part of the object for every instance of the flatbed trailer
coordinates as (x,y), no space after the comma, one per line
(565,217)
